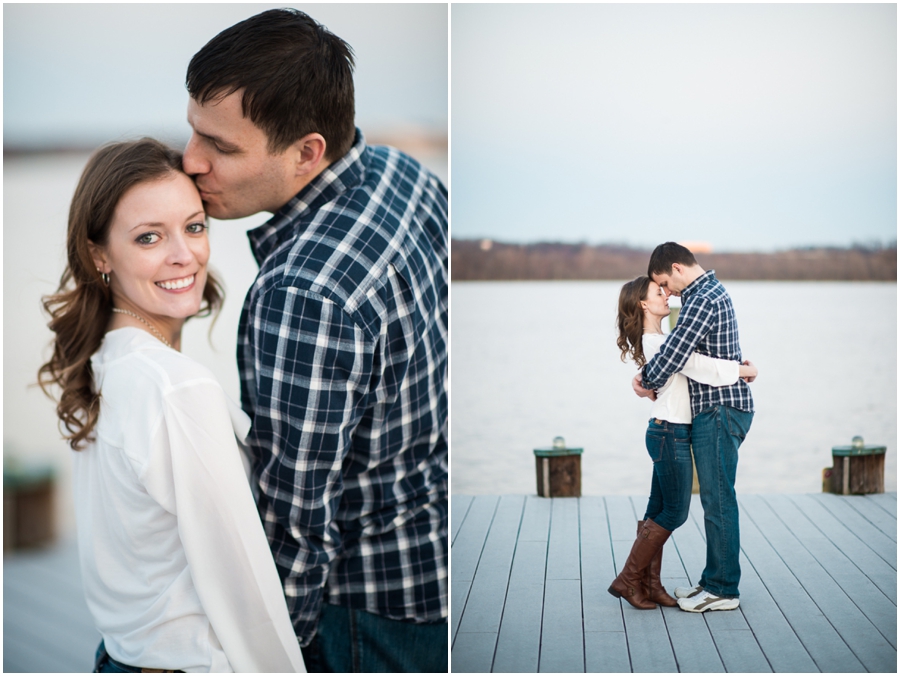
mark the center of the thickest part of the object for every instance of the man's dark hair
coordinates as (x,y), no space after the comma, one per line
(665,255)
(296,77)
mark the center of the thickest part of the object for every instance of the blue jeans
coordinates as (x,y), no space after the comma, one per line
(669,446)
(104,664)
(717,435)
(350,640)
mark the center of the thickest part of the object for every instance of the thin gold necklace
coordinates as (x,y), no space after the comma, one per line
(149,325)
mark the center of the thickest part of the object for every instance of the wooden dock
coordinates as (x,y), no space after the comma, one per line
(47,626)
(529,578)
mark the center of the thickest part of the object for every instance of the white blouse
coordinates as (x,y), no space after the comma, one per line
(176,567)
(673,400)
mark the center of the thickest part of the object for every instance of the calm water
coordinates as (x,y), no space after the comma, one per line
(532,360)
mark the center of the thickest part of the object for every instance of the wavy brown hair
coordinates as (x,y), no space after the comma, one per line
(630,320)
(81,308)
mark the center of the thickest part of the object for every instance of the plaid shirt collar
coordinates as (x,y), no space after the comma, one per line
(337,178)
(697,284)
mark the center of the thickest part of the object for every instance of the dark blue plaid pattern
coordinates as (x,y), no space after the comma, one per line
(706,324)
(343,361)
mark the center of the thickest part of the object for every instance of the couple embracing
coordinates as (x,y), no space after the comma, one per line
(701,402)
(307,528)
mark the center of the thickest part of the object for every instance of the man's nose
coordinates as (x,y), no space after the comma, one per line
(194,162)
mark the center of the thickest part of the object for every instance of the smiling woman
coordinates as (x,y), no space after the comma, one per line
(176,567)
(156,269)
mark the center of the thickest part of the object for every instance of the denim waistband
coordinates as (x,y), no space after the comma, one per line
(103,657)
(665,424)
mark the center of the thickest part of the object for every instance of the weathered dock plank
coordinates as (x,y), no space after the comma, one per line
(563,553)
(459,507)
(488,592)
(816,593)
(874,538)
(875,515)
(784,651)
(597,570)
(562,635)
(605,645)
(812,628)
(887,502)
(519,639)
(874,567)
(856,630)
(47,626)
(871,601)
(693,645)
(466,554)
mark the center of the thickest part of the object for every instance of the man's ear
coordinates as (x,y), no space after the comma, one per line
(309,152)
(677,267)
(98,254)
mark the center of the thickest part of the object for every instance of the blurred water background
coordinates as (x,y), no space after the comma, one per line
(533,360)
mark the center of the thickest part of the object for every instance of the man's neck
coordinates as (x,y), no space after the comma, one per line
(692,274)
(306,179)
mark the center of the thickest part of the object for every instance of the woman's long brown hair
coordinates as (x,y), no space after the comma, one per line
(630,320)
(81,308)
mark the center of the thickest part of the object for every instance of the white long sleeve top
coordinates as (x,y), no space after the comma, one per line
(673,400)
(176,567)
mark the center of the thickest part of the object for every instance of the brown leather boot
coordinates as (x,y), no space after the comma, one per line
(653,587)
(628,585)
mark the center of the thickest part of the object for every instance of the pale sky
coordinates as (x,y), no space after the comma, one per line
(94,72)
(751,127)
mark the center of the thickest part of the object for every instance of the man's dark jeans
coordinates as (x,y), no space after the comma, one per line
(717,434)
(356,641)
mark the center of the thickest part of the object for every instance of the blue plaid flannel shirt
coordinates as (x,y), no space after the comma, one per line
(343,363)
(706,324)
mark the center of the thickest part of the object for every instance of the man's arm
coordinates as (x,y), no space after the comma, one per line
(312,367)
(694,323)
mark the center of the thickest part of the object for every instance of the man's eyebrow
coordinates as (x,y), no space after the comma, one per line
(214,138)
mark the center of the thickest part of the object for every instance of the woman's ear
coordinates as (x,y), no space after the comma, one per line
(98,255)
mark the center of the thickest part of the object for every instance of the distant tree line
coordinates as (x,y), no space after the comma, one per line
(474,260)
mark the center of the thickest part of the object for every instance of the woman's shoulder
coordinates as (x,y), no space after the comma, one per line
(142,383)
(141,361)
(653,340)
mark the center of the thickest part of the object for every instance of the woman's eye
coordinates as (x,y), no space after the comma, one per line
(148,238)
(196,228)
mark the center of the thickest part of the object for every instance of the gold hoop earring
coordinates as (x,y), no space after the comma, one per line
(104,276)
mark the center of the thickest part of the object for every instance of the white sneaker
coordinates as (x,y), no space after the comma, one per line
(705,601)
(687,592)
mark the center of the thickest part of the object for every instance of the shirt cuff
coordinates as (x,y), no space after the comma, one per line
(646,384)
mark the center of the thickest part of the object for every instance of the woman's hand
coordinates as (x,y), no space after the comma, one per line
(748,371)
(639,390)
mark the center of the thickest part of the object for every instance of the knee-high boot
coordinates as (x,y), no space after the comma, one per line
(629,583)
(653,587)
